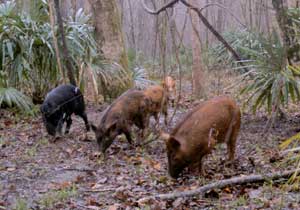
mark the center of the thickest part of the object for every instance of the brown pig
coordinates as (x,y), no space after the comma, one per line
(130,108)
(158,98)
(170,86)
(215,121)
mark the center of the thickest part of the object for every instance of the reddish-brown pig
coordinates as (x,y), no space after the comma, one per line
(215,121)
(170,86)
(130,108)
(158,98)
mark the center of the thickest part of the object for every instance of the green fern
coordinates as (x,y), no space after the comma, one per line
(272,82)
(11,97)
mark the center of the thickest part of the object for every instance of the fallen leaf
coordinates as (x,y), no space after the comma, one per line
(121,195)
(120,178)
(79,179)
(69,151)
(113,207)
(11,169)
(103,180)
(93,207)
(177,203)
(254,193)
(60,186)
(227,189)
(93,202)
(7,123)
(157,166)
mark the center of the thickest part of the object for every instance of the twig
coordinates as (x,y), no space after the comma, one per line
(98,190)
(151,140)
(226,9)
(214,32)
(163,8)
(79,169)
(221,184)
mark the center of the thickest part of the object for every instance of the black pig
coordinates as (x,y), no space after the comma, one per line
(60,103)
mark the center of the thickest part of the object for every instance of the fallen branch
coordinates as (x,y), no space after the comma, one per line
(221,184)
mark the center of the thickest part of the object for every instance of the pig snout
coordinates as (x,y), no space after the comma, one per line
(51,129)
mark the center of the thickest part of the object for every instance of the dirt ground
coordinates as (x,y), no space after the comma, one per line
(69,174)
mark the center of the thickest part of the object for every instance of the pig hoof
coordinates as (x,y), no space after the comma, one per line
(54,139)
(203,173)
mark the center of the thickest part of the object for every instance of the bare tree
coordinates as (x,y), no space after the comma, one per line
(197,67)
(66,56)
(108,30)
(55,42)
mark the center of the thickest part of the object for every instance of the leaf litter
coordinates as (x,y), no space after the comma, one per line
(31,167)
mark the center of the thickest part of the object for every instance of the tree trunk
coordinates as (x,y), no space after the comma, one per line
(197,67)
(250,15)
(163,44)
(285,24)
(108,30)
(132,26)
(220,17)
(66,56)
(55,41)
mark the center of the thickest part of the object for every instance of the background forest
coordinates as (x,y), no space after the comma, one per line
(248,49)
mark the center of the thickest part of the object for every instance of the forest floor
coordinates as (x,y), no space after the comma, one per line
(69,174)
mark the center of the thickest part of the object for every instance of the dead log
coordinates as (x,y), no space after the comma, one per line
(221,184)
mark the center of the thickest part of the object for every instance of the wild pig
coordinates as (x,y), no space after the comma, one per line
(170,85)
(59,104)
(158,101)
(215,121)
(130,108)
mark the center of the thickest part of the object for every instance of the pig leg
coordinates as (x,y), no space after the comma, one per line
(201,167)
(166,116)
(69,123)
(126,131)
(84,117)
(60,125)
(156,118)
(145,126)
(231,144)
(165,111)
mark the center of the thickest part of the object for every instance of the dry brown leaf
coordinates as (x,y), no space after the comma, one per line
(92,202)
(11,169)
(113,207)
(60,186)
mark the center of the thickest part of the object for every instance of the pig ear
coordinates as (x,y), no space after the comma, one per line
(113,125)
(164,136)
(94,128)
(174,143)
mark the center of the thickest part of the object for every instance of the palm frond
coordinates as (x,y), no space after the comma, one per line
(11,97)
(273,82)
